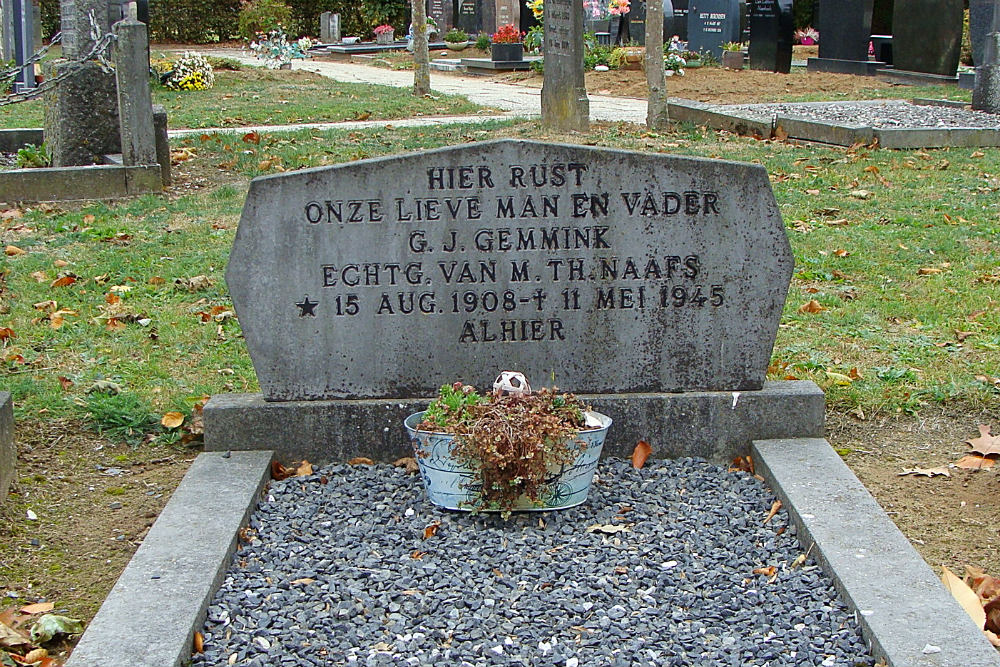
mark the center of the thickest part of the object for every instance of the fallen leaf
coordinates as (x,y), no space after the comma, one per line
(768,571)
(38,655)
(960,336)
(64,281)
(37,608)
(965,596)
(744,463)
(407,462)
(839,378)
(607,528)
(418,555)
(985,444)
(12,251)
(812,306)
(172,419)
(39,276)
(60,263)
(199,642)
(280,472)
(50,625)
(974,462)
(775,506)
(926,472)
(431,530)
(861,194)
(7,332)
(252,137)
(840,252)
(304,469)
(855,374)
(928,271)
(361,461)
(11,638)
(977,154)
(303,580)
(640,454)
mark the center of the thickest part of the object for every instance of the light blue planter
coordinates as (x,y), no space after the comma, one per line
(451,486)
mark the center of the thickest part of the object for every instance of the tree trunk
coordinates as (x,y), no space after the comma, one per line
(422,74)
(657,117)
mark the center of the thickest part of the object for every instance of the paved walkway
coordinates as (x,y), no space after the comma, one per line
(521,101)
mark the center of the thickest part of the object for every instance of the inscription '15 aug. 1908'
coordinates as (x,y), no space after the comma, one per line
(471,287)
(611,269)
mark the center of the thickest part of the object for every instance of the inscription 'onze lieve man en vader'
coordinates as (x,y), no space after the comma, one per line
(606,271)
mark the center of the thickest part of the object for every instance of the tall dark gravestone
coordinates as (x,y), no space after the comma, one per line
(980,16)
(637,21)
(712,23)
(926,36)
(469,16)
(680,21)
(771,28)
(845,29)
(442,11)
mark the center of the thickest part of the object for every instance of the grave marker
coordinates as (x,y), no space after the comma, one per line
(607,271)
(564,94)
(442,11)
(844,28)
(470,18)
(712,23)
(637,21)
(329,28)
(508,12)
(926,36)
(771,28)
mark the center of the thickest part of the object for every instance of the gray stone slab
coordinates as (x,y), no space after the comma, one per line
(970,137)
(16,138)
(485,64)
(841,66)
(150,615)
(900,603)
(105,181)
(600,271)
(8,450)
(827,133)
(699,113)
(715,425)
(911,78)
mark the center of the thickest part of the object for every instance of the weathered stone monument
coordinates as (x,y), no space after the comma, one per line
(712,23)
(135,102)
(926,36)
(81,113)
(986,94)
(845,28)
(8,452)
(329,28)
(564,93)
(980,20)
(622,276)
(771,29)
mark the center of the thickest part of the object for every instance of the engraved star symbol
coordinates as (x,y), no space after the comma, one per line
(307,307)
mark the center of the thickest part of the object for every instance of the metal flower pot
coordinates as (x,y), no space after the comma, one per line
(452,486)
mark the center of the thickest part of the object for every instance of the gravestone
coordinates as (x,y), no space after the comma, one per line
(329,28)
(712,23)
(81,112)
(23,39)
(622,276)
(508,12)
(844,29)
(980,16)
(637,21)
(8,451)
(771,29)
(442,11)
(680,26)
(926,36)
(564,94)
(986,94)
(470,18)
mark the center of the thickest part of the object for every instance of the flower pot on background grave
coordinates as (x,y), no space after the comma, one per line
(451,486)
(457,46)
(507,53)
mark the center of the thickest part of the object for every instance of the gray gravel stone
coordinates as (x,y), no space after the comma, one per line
(676,588)
(882,114)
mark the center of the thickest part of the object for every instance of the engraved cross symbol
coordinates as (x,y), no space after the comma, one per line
(307,307)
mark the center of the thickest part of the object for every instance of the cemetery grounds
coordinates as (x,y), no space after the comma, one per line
(116,324)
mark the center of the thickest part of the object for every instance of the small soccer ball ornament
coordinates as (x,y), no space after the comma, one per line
(511,382)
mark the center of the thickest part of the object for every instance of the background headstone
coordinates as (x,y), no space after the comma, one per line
(564,94)
(986,94)
(844,29)
(470,18)
(771,29)
(23,37)
(442,11)
(597,270)
(927,36)
(135,102)
(637,21)
(980,16)
(508,12)
(329,27)
(712,23)
(680,27)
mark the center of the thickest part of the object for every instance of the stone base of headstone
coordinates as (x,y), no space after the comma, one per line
(8,452)
(717,425)
(986,95)
(967,80)
(838,66)
(909,78)
(81,115)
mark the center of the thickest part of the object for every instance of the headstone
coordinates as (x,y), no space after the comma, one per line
(771,29)
(442,12)
(135,102)
(508,12)
(712,23)
(6,30)
(844,29)
(564,93)
(598,270)
(8,451)
(926,36)
(24,44)
(329,27)
(668,21)
(470,18)
(680,27)
(986,94)
(980,16)
(637,21)
(75,17)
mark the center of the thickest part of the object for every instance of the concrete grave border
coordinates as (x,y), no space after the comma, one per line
(909,620)
(718,117)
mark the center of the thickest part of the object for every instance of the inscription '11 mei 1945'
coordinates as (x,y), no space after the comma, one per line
(517,299)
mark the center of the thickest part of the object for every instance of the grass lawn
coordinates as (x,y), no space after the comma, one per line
(114,314)
(258,96)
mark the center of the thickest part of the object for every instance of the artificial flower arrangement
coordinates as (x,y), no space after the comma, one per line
(191,71)
(619,7)
(275,49)
(806,36)
(384,29)
(507,34)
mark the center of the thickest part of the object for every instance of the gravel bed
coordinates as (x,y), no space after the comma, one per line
(887,114)
(337,571)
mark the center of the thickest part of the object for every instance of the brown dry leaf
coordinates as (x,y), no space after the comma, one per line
(11,638)
(89,219)
(985,444)
(407,462)
(39,655)
(974,462)
(303,580)
(12,251)
(812,191)
(252,137)
(985,586)
(172,419)
(960,336)
(812,306)
(418,555)
(872,169)
(840,252)
(64,281)
(926,472)
(60,263)
(861,194)
(744,463)
(640,454)
(431,530)
(65,383)
(928,271)
(977,154)
(7,332)
(37,608)
(199,642)
(57,319)
(992,609)
(965,596)
(855,374)
(305,468)
(775,506)
(361,461)
(992,637)
(768,571)
(280,472)
(157,280)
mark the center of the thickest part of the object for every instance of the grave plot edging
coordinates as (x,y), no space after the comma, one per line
(904,611)
(151,614)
